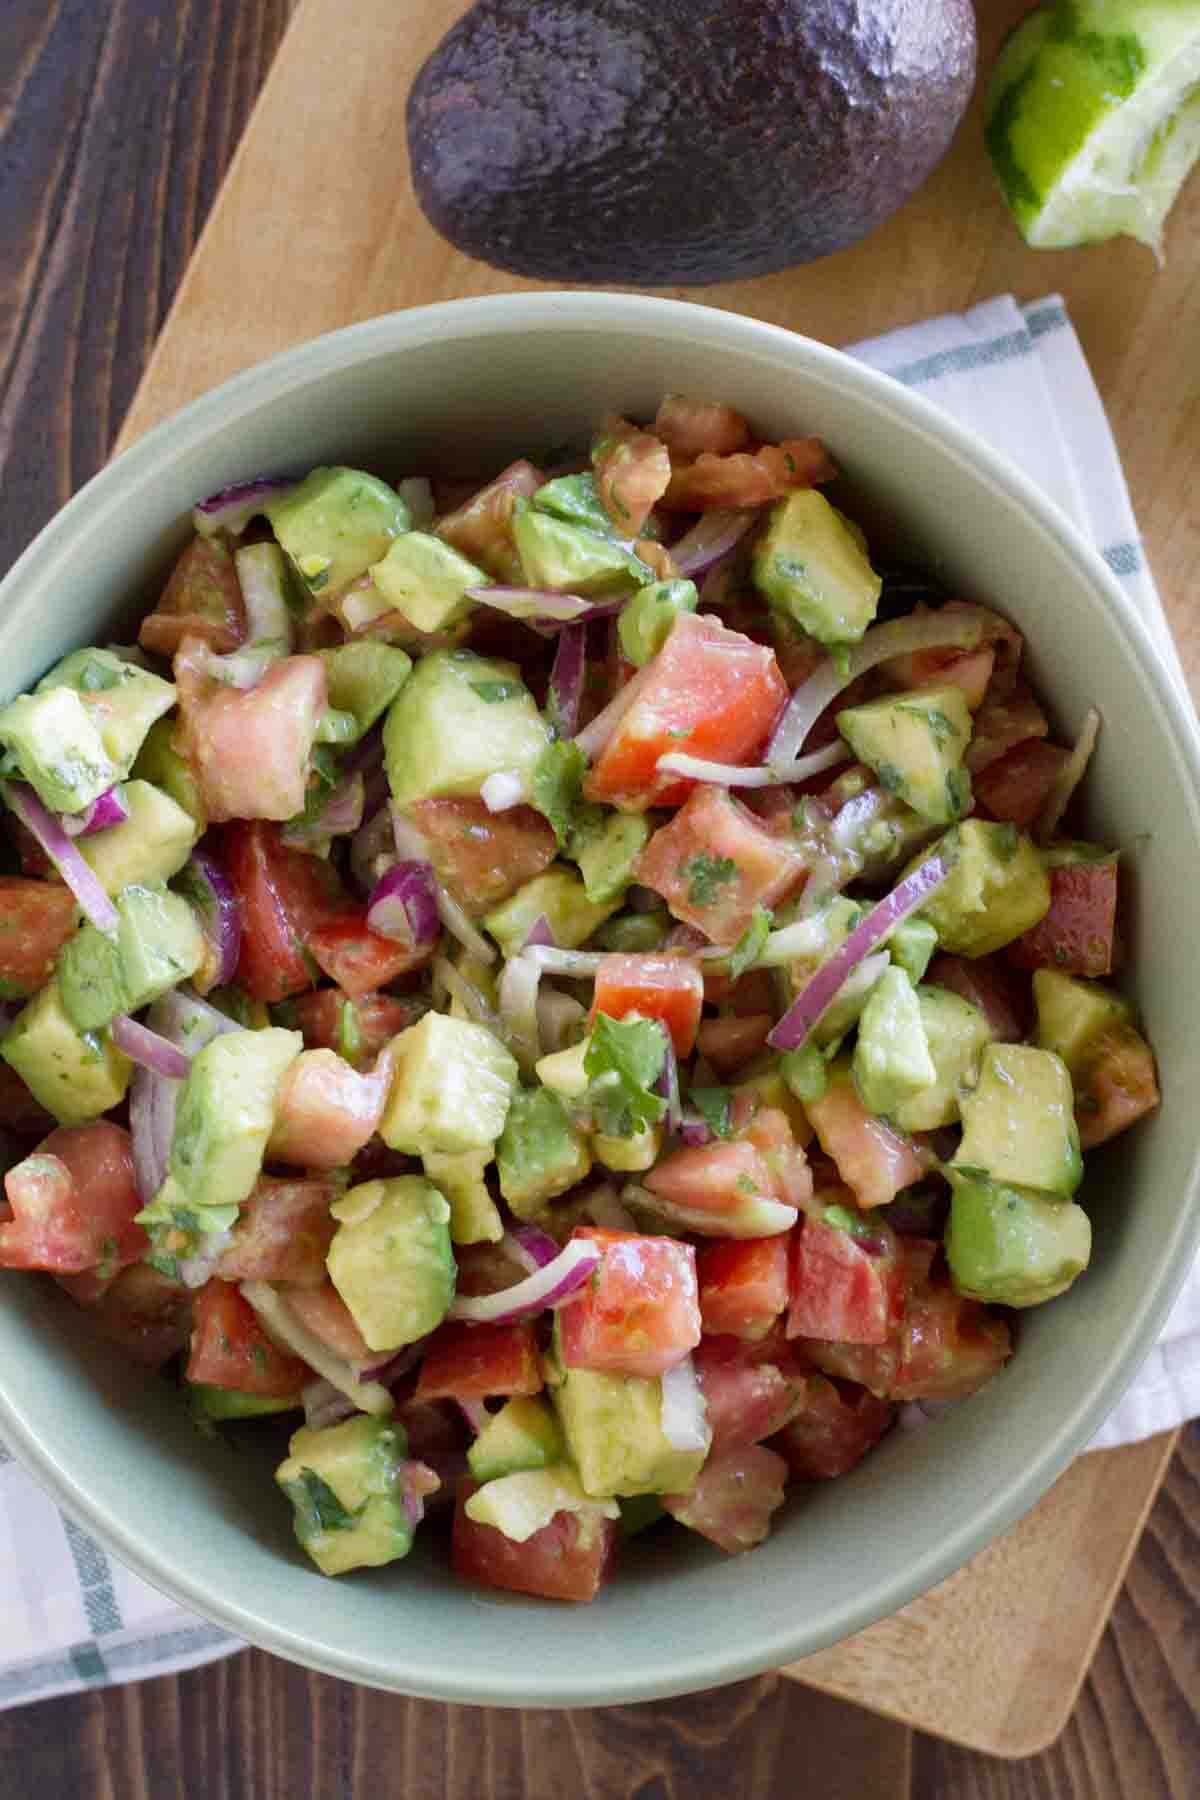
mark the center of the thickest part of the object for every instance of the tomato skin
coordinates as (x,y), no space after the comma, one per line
(733,1498)
(1077,935)
(715,863)
(357,958)
(711,1178)
(322,1311)
(329,1017)
(842,1290)
(36,919)
(562,1561)
(632,470)
(711,692)
(874,1161)
(970,670)
(74,1201)
(833,1427)
(282,1234)
(284,896)
(147,1315)
(748,477)
(1017,785)
(250,750)
(743,1285)
(473,1362)
(991,984)
(689,427)
(667,988)
(481,857)
(1118,1086)
(481,527)
(230,1349)
(639,1313)
(202,599)
(751,1389)
(949,1347)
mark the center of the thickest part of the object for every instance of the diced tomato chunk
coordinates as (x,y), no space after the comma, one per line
(733,1498)
(632,470)
(1002,722)
(844,1288)
(1076,936)
(73,1203)
(714,864)
(283,895)
(283,1233)
(567,1559)
(483,857)
(1117,1087)
(36,919)
(750,1389)
(709,692)
(147,1315)
(773,1134)
(711,1178)
(322,1311)
(1005,999)
(874,1161)
(357,958)
(250,750)
(1017,785)
(202,599)
(667,988)
(949,1347)
(833,1427)
(970,670)
(751,993)
(639,1313)
(325,1111)
(690,427)
(743,1285)
(473,1362)
(230,1349)
(481,528)
(356,1026)
(729,1042)
(748,477)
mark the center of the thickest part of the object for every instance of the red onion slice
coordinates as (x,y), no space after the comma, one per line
(1068,778)
(695,768)
(533,1248)
(713,536)
(109,809)
(84,884)
(684,1417)
(182,1019)
(416,491)
(285,1329)
(411,847)
(404,907)
(205,886)
(577,964)
(262,577)
(141,1045)
(567,678)
(475,1413)
(798,1021)
(694,1129)
(668,1084)
(899,637)
(503,790)
(233,507)
(593,737)
(548,1288)
(539,933)
(340,815)
(545,605)
(517,999)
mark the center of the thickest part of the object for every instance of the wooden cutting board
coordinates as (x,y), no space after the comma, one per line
(316,227)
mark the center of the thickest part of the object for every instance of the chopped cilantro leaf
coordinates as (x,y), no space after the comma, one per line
(96,677)
(706,875)
(890,778)
(623,1060)
(751,944)
(318,1508)
(715,1106)
(933,716)
(557,790)
(493,692)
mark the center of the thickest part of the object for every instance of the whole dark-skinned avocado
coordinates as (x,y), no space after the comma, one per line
(673,142)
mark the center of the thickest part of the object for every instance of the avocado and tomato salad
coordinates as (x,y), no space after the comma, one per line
(576,993)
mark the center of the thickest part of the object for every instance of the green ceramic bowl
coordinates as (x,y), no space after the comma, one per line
(468,384)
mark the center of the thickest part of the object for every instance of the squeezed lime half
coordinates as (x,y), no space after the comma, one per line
(1093,118)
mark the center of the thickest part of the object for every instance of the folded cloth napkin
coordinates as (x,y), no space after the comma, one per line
(70,1616)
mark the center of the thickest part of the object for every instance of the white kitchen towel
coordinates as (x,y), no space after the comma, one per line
(70,1616)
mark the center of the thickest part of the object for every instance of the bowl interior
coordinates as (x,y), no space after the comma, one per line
(466,387)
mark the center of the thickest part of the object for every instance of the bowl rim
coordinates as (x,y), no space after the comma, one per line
(692,1667)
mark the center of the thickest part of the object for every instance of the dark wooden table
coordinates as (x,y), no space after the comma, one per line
(116,124)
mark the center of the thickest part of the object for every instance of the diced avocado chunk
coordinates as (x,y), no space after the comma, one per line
(559,894)
(1009,1246)
(75,1075)
(157,944)
(572,559)
(363,679)
(810,563)
(912,945)
(915,743)
(223,1404)
(474,1215)
(122,699)
(891,1058)
(451,1087)
(646,620)
(1072,1014)
(565,1071)
(226,1114)
(613,1428)
(956,1033)
(524,1434)
(1069,853)
(159,761)
(51,740)
(521,1504)
(391,1259)
(335,524)
(426,580)
(607,853)
(458,719)
(1019,1121)
(346,1483)
(628,1155)
(151,845)
(996,891)
(576,499)
(540,1153)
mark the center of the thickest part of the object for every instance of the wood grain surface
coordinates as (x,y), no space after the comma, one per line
(116,124)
